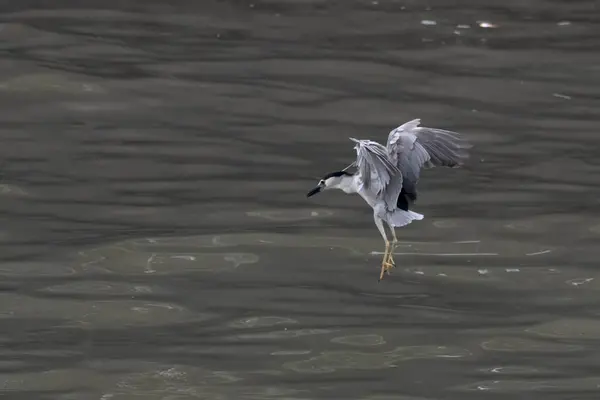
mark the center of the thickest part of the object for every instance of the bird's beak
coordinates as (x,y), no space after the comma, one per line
(314,191)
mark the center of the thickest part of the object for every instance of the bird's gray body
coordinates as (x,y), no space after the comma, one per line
(395,218)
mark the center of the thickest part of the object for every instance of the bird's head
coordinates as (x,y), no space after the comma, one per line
(333,180)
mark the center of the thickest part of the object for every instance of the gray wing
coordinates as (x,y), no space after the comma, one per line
(412,147)
(377,171)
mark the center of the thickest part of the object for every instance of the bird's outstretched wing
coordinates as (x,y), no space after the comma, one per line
(412,147)
(378,172)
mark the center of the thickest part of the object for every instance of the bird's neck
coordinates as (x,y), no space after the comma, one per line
(348,184)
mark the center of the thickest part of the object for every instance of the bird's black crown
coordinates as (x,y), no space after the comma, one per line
(336,174)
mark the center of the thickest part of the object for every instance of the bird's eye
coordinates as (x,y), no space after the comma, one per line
(321,182)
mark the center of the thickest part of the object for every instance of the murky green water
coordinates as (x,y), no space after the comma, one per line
(156,242)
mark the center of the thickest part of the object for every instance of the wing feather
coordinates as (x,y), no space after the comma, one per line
(412,148)
(378,172)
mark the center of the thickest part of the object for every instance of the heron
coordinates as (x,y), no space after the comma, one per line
(386,177)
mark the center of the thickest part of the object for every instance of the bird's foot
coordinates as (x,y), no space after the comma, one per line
(385,268)
(391,260)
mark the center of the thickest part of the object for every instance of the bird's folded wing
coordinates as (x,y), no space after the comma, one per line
(377,171)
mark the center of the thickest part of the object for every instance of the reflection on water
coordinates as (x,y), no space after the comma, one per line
(333,360)
(96,314)
(532,385)
(515,344)
(360,340)
(157,244)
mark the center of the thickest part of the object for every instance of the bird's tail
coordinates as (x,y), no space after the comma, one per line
(400,217)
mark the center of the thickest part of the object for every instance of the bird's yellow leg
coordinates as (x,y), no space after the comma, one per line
(385,264)
(393,247)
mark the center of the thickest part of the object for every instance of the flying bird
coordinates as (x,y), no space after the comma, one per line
(386,177)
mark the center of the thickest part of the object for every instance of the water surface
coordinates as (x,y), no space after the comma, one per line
(156,239)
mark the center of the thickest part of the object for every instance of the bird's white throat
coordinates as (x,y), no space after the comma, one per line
(349,184)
